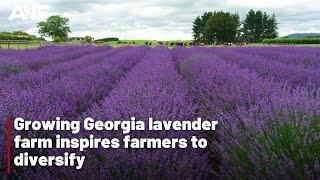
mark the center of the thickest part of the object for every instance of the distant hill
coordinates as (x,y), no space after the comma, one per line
(302,35)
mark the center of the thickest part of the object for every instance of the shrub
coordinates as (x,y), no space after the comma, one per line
(7,36)
(18,35)
(289,41)
(57,39)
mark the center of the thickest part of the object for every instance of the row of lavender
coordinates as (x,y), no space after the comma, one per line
(152,89)
(14,62)
(68,92)
(268,106)
(307,57)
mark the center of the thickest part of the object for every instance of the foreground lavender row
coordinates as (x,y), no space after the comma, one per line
(267,101)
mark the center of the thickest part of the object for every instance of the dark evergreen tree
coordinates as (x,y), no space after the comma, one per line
(196,29)
(198,26)
(238,25)
(221,27)
(271,24)
(259,25)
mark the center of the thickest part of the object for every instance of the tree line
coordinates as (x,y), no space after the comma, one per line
(220,27)
(19,35)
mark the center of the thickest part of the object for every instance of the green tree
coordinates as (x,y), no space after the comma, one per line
(238,25)
(55,27)
(204,19)
(221,27)
(271,27)
(259,25)
(196,29)
(198,26)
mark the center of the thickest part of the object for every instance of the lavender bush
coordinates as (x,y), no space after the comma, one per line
(71,95)
(14,62)
(156,91)
(264,122)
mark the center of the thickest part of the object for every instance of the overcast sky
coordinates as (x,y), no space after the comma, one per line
(155,19)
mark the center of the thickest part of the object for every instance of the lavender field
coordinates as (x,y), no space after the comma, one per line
(266,99)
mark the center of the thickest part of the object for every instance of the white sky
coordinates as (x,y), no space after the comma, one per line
(156,19)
